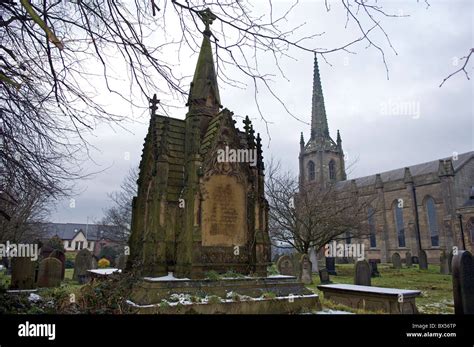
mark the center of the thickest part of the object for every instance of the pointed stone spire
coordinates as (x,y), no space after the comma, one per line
(338,140)
(204,88)
(319,123)
(301,140)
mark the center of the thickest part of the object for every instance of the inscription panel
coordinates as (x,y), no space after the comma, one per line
(224,212)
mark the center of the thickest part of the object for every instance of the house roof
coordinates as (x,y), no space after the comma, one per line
(67,231)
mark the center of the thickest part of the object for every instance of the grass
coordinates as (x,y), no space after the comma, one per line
(436,289)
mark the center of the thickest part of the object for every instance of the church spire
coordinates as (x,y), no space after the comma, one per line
(319,123)
(204,89)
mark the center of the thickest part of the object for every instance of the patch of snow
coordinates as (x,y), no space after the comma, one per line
(105,272)
(34,297)
(329,311)
(169,277)
(280,276)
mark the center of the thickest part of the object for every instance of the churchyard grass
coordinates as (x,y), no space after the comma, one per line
(436,289)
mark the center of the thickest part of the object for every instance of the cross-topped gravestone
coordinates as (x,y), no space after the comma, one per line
(207,18)
(154,104)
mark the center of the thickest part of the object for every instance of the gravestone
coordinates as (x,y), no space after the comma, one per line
(23,273)
(444,263)
(450,262)
(121,261)
(50,272)
(362,273)
(306,269)
(463,283)
(62,258)
(408,259)
(422,260)
(374,271)
(285,266)
(396,261)
(82,263)
(415,260)
(324,276)
(331,265)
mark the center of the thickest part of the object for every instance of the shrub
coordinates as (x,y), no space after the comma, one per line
(110,253)
(56,243)
(269,295)
(103,263)
(214,299)
(213,276)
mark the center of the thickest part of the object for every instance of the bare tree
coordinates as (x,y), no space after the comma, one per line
(120,213)
(314,217)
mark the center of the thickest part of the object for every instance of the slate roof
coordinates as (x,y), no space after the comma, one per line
(67,231)
(415,170)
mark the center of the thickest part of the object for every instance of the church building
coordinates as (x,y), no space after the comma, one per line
(196,210)
(415,208)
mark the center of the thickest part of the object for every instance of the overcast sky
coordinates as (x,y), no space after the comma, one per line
(384,123)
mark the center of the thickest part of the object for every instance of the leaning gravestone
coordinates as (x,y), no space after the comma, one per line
(324,276)
(331,265)
(62,258)
(374,271)
(306,269)
(444,263)
(422,260)
(463,283)
(82,263)
(362,273)
(408,259)
(396,261)
(50,272)
(23,273)
(285,266)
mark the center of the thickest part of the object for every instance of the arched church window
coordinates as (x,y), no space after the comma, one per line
(332,169)
(311,171)
(432,221)
(399,225)
(371,220)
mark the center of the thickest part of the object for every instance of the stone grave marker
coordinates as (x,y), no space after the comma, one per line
(62,258)
(408,259)
(362,273)
(331,265)
(82,263)
(414,259)
(396,261)
(121,261)
(23,273)
(444,263)
(306,269)
(422,260)
(374,271)
(285,266)
(324,276)
(50,272)
(463,283)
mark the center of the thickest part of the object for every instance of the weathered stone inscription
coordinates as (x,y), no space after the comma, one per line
(224,212)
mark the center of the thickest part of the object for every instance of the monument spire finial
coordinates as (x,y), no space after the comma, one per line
(207,18)
(319,122)
(153,104)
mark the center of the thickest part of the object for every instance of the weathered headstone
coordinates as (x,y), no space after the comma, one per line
(415,260)
(49,274)
(331,265)
(324,276)
(82,263)
(62,258)
(444,263)
(374,271)
(396,261)
(422,260)
(463,283)
(450,262)
(408,259)
(23,273)
(285,266)
(121,261)
(306,271)
(362,273)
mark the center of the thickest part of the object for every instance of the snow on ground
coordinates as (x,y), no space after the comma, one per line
(329,311)
(105,272)
(168,277)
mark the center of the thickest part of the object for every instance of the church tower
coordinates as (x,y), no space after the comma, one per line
(321,159)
